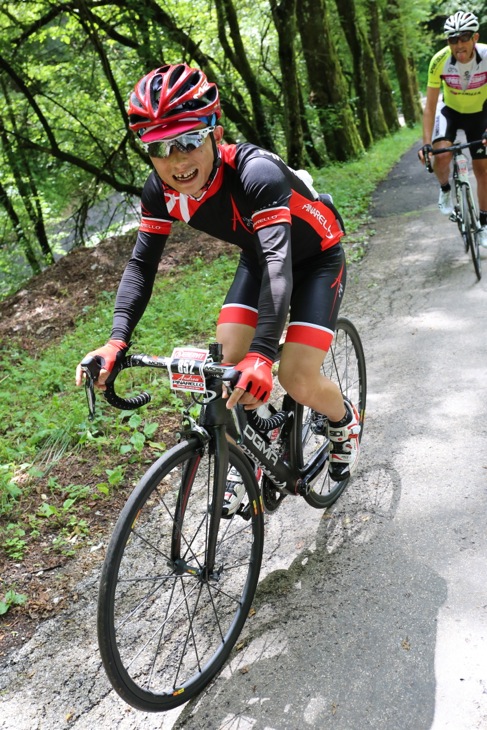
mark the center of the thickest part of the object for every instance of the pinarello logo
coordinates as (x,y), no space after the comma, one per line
(267,218)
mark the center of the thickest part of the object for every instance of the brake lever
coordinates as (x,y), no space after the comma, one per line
(230,380)
(91,369)
(90,394)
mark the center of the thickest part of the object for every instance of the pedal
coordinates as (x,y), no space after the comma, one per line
(244,512)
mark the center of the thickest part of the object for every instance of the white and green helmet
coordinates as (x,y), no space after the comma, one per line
(461,22)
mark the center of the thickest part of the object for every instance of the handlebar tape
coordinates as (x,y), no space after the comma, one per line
(125,404)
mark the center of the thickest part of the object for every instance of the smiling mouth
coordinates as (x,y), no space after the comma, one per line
(186,176)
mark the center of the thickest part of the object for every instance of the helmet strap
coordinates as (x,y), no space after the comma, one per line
(217,161)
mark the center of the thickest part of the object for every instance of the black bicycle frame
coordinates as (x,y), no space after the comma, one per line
(260,450)
(215,425)
(286,477)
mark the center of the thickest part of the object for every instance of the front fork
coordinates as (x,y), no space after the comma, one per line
(458,216)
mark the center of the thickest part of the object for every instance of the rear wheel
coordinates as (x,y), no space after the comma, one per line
(344,365)
(165,624)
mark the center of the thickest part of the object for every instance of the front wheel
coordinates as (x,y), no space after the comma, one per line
(471,231)
(166,624)
(460,213)
(344,364)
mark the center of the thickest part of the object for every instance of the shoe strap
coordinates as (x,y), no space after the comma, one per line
(344,433)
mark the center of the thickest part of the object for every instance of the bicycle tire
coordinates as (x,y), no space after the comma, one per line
(345,365)
(460,213)
(466,218)
(164,628)
(471,228)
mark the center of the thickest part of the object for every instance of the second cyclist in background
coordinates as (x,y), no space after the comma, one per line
(460,71)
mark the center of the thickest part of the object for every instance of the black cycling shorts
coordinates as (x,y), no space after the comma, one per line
(448,122)
(318,288)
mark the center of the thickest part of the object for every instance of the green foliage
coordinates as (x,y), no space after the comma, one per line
(51,416)
(9,490)
(14,543)
(11,598)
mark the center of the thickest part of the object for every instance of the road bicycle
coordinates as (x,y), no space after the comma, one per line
(465,209)
(179,578)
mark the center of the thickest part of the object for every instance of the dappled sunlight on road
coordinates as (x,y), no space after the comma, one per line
(436,320)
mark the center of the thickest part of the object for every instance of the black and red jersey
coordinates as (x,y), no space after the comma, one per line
(256,202)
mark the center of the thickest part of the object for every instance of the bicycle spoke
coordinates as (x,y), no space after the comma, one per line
(163,642)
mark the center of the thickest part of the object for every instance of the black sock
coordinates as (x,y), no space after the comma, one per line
(344,421)
(483,218)
(446,188)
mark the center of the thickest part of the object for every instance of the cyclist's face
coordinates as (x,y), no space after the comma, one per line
(188,172)
(462,50)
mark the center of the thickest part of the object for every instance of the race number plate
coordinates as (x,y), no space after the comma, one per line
(186,371)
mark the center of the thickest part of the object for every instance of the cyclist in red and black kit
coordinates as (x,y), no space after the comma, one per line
(291,259)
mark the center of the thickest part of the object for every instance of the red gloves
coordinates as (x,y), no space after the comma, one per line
(109,354)
(256,375)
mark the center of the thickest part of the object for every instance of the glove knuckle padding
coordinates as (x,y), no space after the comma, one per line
(256,376)
(110,353)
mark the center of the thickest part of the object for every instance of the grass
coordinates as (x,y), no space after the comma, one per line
(49,420)
(353,183)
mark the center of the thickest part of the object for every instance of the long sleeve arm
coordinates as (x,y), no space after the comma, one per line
(135,289)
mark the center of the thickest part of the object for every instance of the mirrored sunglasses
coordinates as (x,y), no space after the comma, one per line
(186,142)
(463,37)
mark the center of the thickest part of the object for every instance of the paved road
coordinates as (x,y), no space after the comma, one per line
(373,615)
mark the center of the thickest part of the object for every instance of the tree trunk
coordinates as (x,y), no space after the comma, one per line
(328,88)
(415,84)
(372,122)
(30,197)
(24,180)
(411,106)
(386,94)
(311,153)
(284,15)
(238,57)
(22,239)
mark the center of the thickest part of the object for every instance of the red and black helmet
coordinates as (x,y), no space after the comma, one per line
(172,100)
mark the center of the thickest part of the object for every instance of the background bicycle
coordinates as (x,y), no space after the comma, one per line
(465,213)
(179,579)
